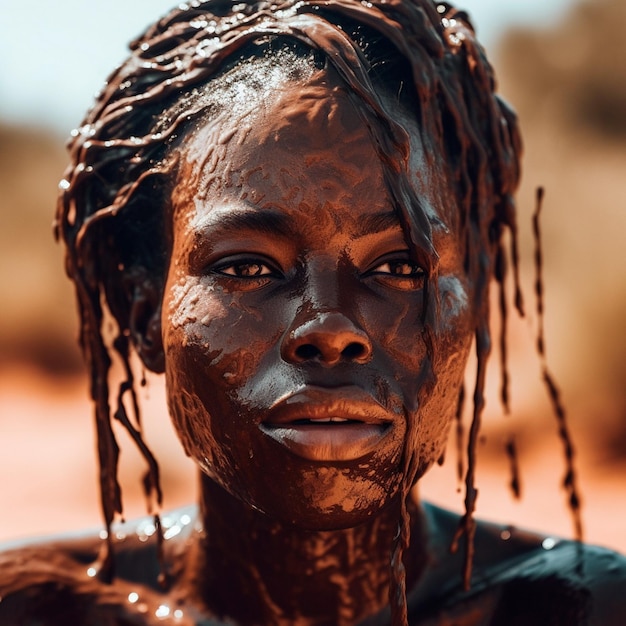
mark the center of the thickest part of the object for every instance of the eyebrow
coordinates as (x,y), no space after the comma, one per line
(377,223)
(275,223)
(231,219)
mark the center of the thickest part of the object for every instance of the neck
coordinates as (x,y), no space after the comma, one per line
(254,570)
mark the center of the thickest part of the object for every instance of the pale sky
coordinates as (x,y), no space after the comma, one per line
(54,55)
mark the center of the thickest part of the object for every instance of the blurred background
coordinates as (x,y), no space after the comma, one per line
(561,64)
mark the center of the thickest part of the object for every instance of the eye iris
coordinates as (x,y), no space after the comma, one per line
(403,269)
(249,269)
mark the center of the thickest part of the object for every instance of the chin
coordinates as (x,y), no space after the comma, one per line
(302,493)
(329,499)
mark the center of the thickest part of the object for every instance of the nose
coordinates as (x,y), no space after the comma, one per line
(329,338)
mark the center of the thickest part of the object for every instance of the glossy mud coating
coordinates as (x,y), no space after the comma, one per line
(295,212)
(316,315)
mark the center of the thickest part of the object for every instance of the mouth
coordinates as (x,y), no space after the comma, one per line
(326,425)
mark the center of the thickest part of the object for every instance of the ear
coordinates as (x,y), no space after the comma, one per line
(145,296)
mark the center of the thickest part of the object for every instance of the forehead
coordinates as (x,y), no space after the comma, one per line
(307,140)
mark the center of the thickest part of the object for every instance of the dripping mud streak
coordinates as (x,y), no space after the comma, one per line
(460,438)
(570,481)
(511,452)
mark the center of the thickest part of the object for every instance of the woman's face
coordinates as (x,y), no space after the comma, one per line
(292,313)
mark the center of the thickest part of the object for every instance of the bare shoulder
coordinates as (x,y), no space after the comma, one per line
(55,581)
(522,578)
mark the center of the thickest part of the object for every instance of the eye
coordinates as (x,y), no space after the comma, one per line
(399,268)
(398,271)
(246,269)
(244,273)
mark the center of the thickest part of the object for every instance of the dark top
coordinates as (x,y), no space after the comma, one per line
(519,578)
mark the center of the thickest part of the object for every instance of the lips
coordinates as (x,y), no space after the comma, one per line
(322,424)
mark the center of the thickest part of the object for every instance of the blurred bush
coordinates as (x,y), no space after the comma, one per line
(37,316)
(577,69)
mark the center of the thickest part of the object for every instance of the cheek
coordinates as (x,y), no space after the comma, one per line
(214,345)
(394,324)
(199,363)
(209,336)
(452,339)
(189,302)
(454,331)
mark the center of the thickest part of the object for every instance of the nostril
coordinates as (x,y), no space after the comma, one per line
(353,350)
(328,338)
(307,351)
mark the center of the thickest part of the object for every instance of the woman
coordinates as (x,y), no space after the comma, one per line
(295,211)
